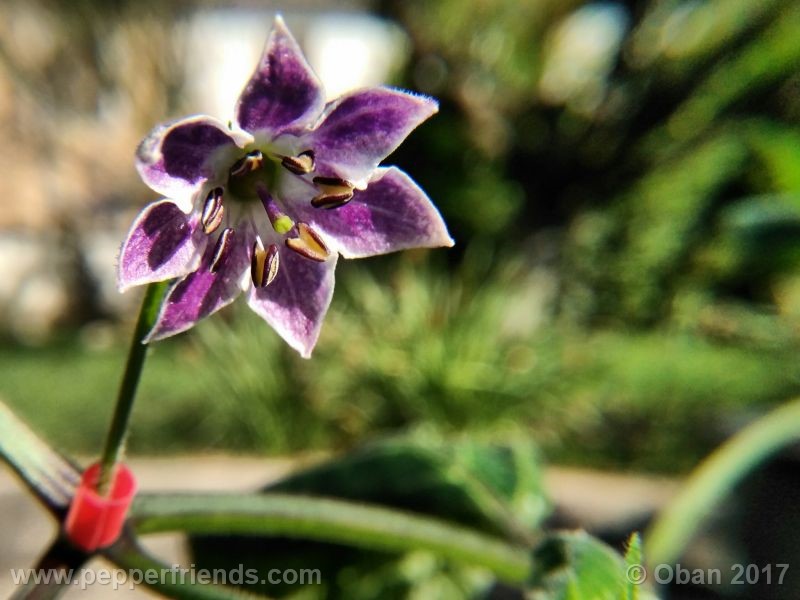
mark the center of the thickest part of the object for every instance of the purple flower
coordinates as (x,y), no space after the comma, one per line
(266,204)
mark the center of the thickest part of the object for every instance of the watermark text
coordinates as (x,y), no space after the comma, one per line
(175,575)
(737,574)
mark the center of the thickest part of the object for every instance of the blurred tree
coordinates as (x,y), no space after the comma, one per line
(634,130)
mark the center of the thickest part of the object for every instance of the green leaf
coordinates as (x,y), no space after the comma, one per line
(349,523)
(764,61)
(777,148)
(45,472)
(576,566)
(633,561)
(716,477)
(766,218)
(496,489)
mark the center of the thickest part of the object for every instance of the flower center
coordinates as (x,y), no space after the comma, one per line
(248,173)
(250,179)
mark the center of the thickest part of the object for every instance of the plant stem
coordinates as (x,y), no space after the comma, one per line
(328,520)
(129,556)
(62,561)
(716,476)
(130,381)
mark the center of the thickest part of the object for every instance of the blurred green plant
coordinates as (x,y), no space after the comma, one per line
(406,347)
(626,259)
(699,111)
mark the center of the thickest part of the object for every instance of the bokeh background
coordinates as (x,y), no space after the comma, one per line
(622,180)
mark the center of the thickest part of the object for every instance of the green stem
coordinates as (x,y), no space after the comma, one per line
(328,520)
(716,477)
(129,556)
(130,381)
(62,560)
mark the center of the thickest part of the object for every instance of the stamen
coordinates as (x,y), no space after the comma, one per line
(264,264)
(257,262)
(331,201)
(281,223)
(271,264)
(247,164)
(333,184)
(223,247)
(301,164)
(213,211)
(308,244)
(335,192)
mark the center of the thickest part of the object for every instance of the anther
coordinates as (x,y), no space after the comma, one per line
(213,211)
(264,264)
(247,164)
(336,184)
(281,223)
(334,192)
(331,201)
(308,243)
(301,164)
(222,249)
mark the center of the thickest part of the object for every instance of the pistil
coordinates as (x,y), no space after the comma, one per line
(281,223)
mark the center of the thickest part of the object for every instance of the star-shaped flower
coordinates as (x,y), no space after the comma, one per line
(266,204)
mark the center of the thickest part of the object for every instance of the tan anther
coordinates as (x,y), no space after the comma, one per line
(247,164)
(301,164)
(334,192)
(271,264)
(331,201)
(213,211)
(221,250)
(308,243)
(264,264)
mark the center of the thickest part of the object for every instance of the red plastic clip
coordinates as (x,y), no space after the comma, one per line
(96,521)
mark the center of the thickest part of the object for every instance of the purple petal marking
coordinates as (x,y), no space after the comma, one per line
(283,92)
(295,303)
(203,293)
(175,159)
(162,243)
(392,213)
(362,128)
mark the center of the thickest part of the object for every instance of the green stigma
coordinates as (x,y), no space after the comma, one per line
(282,224)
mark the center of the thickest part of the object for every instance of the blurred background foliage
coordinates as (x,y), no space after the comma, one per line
(622,180)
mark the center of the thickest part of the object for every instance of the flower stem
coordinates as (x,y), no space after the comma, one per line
(137,353)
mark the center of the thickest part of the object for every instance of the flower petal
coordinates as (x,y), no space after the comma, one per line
(295,303)
(162,243)
(392,213)
(202,292)
(363,128)
(283,92)
(175,159)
